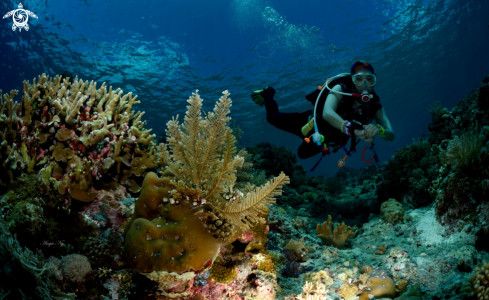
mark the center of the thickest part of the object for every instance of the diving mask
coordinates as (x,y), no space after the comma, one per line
(364,79)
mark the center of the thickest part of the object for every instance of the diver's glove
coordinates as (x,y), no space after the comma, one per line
(259,96)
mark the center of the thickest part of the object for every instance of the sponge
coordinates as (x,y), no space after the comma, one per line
(166,237)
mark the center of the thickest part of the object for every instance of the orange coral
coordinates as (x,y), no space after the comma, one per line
(380,285)
(336,237)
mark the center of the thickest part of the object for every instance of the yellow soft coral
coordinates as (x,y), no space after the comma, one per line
(336,237)
(203,159)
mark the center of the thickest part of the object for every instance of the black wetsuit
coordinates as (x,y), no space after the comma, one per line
(349,108)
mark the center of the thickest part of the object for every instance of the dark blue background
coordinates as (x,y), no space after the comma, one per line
(423,51)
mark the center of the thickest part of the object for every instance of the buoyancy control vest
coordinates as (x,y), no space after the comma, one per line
(350,108)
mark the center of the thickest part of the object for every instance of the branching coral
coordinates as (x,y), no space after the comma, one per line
(203,160)
(181,220)
(463,152)
(336,237)
(77,131)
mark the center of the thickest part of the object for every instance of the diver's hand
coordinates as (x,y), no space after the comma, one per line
(362,135)
(370,131)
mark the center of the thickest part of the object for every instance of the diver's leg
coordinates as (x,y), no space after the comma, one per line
(290,122)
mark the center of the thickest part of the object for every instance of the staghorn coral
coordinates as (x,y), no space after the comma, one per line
(78,133)
(336,237)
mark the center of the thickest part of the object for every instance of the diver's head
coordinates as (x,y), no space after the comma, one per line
(363,76)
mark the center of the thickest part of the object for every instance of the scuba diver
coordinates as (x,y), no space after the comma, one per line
(344,107)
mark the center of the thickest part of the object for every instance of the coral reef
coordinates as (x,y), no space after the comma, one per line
(275,159)
(204,230)
(409,172)
(392,212)
(478,285)
(165,237)
(379,285)
(75,267)
(181,221)
(26,271)
(74,136)
(334,237)
(222,273)
(295,250)
(413,293)
(312,291)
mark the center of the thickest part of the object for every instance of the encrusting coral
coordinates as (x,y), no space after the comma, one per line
(181,220)
(74,136)
(336,237)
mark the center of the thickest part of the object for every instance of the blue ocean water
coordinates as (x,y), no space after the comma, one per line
(422,51)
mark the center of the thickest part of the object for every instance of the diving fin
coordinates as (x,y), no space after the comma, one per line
(258,98)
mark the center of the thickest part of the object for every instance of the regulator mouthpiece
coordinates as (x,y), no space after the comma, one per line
(366,96)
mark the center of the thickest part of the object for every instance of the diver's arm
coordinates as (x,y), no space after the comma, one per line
(330,106)
(329,111)
(381,119)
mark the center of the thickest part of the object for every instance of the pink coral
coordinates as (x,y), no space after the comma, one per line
(246,237)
